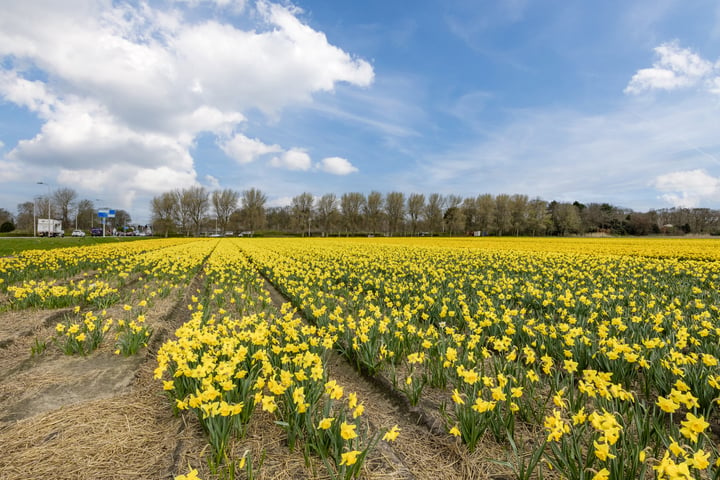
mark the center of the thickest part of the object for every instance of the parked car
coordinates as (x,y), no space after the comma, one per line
(96,232)
(78,233)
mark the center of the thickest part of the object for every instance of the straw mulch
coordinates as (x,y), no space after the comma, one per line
(130,435)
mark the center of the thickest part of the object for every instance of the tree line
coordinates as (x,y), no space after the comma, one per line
(197,211)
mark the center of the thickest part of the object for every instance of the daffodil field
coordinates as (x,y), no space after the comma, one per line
(587,358)
(579,358)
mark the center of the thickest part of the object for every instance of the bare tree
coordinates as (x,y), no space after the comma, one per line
(538,220)
(373,211)
(164,210)
(503,219)
(351,206)
(194,205)
(415,208)
(486,213)
(121,221)
(279,218)
(470,211)
(327,212)
(518,213)
(224,203)
(433,214)
(252,211)
(44,207)
(84,214)
(302,209)
(63,199)
(182,212)
(454,216)
(26,213)
(565,218)
(642,223)
(395,210)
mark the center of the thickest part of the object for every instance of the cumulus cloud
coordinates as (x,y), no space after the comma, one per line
(688,188)
(675,68)
(337,166)
(245,150)
(293,159)
(128,87)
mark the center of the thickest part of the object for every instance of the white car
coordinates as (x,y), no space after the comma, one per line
(78,233)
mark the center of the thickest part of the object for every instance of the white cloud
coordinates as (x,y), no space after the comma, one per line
(212,182)
(161,179)
(246,150)
(293,159)
(32,95)
(128,88)
(337,166)
(207,119)
(688,188)
(676,67)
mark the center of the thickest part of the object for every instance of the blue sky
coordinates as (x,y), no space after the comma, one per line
(610,101)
